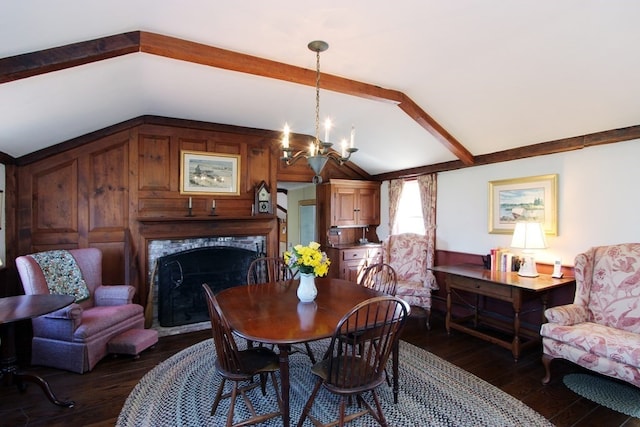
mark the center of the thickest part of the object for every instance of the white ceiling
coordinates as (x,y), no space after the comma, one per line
(496,74)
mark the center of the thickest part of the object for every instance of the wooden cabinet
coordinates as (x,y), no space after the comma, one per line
(350,203)
(349,262)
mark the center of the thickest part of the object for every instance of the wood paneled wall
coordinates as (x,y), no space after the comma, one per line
(97,192)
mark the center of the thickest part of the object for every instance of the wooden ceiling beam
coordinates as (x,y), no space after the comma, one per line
(62,57)
(414,111)
(59,58)
(534,150)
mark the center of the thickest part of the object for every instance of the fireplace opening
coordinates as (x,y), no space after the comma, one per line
(181,299)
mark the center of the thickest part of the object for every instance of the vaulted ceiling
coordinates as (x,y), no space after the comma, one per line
(423,82)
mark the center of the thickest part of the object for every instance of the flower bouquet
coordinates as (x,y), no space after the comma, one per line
(308,259)
(311,262)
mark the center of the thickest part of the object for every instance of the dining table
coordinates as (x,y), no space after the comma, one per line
(271,313)
(14,309)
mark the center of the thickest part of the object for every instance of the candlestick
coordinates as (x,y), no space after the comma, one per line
(285,138)
(353,136)
(190,205)
(327,126)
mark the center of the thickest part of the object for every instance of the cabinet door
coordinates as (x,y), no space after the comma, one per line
(344,207)
(368,206)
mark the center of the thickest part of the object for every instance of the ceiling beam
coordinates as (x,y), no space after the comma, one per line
(59,58)
(414,111)
(540,149)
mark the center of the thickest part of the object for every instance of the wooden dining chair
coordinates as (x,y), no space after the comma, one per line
(354,366)
(380,277)
(269,269)
(240,366)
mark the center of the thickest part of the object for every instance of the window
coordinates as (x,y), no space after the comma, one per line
(409,217)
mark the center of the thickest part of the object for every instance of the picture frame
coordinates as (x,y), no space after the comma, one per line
(531,198)
(208,173)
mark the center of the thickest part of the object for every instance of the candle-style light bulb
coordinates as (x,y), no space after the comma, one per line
(327,126)
(353,137)
(285,138)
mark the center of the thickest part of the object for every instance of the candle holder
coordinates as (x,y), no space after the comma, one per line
(213,212)
(190,212)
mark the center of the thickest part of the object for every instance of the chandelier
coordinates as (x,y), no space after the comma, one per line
(319,152)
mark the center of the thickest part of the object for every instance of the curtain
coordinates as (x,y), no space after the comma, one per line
(428,187)
(395,190)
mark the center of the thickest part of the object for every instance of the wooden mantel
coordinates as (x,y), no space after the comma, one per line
(186,227)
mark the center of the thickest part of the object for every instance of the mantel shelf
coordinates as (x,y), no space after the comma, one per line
(204,218)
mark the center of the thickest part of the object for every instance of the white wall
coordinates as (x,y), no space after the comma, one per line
(598,201)
(293,214)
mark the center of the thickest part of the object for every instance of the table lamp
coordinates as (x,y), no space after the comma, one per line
(528,236)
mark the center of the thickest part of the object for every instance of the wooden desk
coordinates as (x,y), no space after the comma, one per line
(22,307)
(504,286)
(271,313)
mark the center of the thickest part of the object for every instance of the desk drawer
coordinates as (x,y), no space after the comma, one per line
(481,287)
(354,254)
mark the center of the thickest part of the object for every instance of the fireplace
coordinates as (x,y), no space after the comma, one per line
(171,235)
(181,300)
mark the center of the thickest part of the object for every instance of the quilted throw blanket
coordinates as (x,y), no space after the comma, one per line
(62,274)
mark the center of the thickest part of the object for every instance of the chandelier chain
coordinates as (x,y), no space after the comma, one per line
(318,100)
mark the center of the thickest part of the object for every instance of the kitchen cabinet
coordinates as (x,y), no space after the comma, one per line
(350,203)
(349,261)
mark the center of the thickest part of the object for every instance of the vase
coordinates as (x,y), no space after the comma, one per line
(307,288)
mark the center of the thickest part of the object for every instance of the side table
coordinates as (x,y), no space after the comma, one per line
(504,286)
(14,309)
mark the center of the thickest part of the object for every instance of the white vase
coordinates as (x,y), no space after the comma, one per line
(307,288)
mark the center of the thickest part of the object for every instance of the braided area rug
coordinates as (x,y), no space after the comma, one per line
(616,395)
(433,392)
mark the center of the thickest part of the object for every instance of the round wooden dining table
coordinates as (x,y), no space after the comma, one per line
(12,310)
(271,313)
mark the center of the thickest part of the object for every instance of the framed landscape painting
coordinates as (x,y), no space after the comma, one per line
(209,173)
(523,199)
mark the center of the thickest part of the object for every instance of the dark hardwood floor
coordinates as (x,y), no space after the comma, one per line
(100,394)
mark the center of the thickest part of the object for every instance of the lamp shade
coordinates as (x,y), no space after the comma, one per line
(528,235)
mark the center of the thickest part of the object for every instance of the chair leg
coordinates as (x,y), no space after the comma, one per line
(309,404)
(216,401)
(343,407)
(546,362)
(232,404)
(428,324)
(310,353)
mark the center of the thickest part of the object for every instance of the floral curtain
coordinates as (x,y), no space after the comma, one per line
(428,186)
(395,190)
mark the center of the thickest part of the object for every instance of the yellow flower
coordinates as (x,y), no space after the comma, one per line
(308,259)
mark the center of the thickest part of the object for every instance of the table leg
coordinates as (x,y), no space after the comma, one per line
(284,351)
(447,322)
(9,368)
(515,344)
(396,360)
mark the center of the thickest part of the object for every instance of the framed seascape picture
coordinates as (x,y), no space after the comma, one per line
(209,173)
(523,199)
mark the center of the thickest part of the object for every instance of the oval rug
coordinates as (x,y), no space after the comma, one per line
(615,395)
(180,390)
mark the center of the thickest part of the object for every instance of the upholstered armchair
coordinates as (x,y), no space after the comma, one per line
(600,330)
(75,338)
(407,253)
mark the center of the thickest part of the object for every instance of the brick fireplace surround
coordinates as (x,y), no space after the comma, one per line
(163,236)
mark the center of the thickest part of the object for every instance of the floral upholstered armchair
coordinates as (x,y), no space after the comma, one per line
(408,254)
(600,330)
(75,338)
